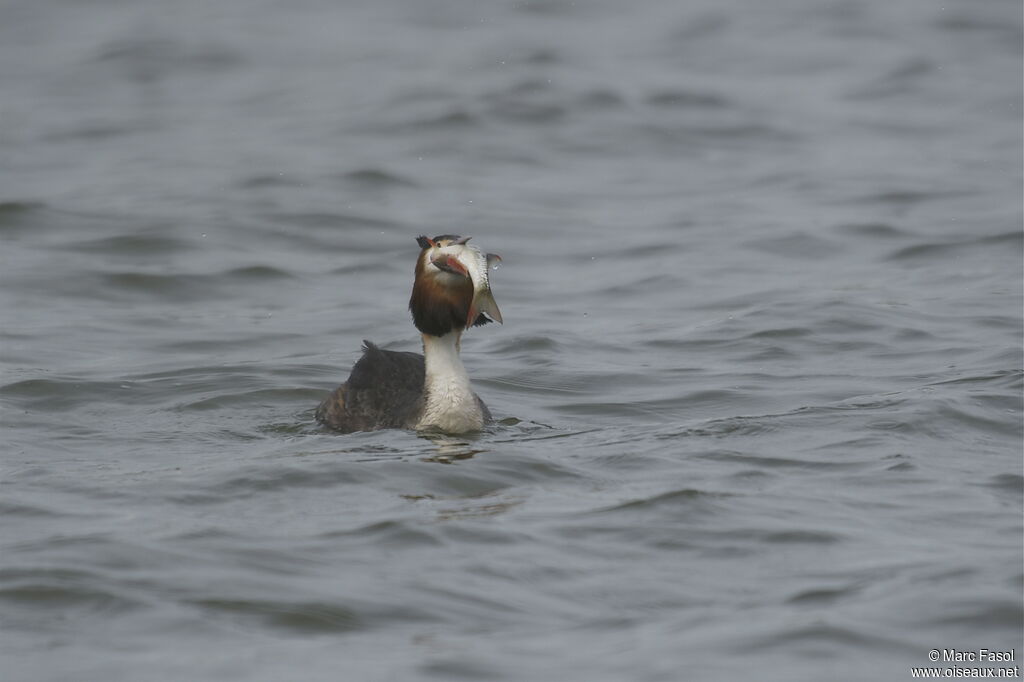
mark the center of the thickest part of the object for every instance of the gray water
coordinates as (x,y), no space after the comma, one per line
(759,381)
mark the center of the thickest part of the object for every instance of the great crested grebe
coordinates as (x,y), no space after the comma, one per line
(398,390)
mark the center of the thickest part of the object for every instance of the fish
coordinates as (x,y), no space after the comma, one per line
(471,262)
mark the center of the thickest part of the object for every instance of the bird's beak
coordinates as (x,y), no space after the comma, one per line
(443,262)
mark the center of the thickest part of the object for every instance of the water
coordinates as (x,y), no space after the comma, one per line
(759,380)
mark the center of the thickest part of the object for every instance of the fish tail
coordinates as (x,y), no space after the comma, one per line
(483,302)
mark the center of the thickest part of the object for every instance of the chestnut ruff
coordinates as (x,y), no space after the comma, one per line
(439,309)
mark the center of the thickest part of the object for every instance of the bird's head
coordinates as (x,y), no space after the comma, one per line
(435,261)
(443,295)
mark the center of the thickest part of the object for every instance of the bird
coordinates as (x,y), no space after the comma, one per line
(429,392)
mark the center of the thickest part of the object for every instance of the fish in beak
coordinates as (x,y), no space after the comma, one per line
(451,254)
(483,300)
(469,261)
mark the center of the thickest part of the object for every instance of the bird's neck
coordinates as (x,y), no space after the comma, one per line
(449,404)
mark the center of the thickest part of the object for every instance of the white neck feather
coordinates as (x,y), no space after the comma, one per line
(450,404)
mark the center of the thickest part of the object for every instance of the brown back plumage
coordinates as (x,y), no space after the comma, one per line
(384,391)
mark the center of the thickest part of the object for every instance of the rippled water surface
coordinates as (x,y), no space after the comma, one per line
(759,382)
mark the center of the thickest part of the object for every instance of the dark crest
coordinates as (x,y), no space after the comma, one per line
(424,242)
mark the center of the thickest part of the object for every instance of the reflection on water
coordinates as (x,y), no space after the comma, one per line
(449,449)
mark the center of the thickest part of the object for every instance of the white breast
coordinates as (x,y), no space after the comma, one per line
(449,401)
